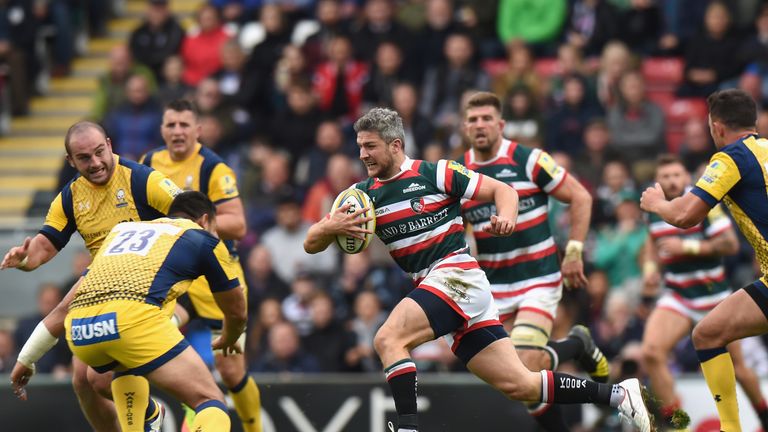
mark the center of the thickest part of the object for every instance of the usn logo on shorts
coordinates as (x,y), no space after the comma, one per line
(91,330)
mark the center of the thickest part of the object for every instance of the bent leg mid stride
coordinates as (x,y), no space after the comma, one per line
(242,388)
(98,410)
(131,396)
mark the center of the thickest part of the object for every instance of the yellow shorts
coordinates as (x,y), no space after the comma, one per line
(124,335)
(202,299)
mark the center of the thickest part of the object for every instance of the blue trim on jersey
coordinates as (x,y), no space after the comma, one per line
(148,157)
(59,239)
(210,160)
(149,367)
(139,177)
(211,404)
(749,193)
(704,195)
(105,368)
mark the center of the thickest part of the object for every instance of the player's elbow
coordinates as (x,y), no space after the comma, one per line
(239,231)
(684,220)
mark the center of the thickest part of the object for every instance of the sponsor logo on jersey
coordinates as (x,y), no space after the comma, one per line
(83,206)
(461,169)
(188,182)
(91,330)
(506,173)
(413,187)
(170,187)
(526,203)
(120,195)
(714,171)
(549,165)
(417,205)
(227,184)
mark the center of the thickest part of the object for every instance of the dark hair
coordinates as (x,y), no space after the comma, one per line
(192,205)
(668,159)
(481,99)
(79,127)
(181,105)
(734,108)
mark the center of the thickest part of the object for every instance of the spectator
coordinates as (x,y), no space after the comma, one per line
(172,87)
(134,125)
(201,48)
(711,58)
(338,83)
(263,282)
(264,188)
(285,243)
(444,85)
(439,25)
(80,262)
(591,24)
(419,130)
(697,147)
(480,19)
(236,85)
(7,352)
(294,130)
(58,359)
(618,247)
(567,123)
(237,11)
(58,13)
(312,166)
(328,341)
(377,26)
(291,70)
(18,36)
(618,326)
(590,163)
(265,55)
(285,353)
(235,121)
(636,124)
(111,87)
(640,26)
(270,313)
(296,305)
(387,71)
(157,38)
(340,175)
(332,24)
(569,62)
(597,289)
(754,53)
(521,116)
(520,73)
(366,322)
(615,61)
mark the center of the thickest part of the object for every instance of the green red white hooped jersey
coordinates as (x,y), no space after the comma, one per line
(418,215)
(696,281)
(527,259)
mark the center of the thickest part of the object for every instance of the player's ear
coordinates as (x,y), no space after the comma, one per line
(70,161)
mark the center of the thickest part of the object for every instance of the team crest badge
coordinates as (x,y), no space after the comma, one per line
(120,195)
(417,205)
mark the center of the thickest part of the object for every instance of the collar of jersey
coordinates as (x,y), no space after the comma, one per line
(503,148)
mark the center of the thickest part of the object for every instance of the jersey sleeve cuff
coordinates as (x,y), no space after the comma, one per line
(54,236)
(230,284)
(705,196)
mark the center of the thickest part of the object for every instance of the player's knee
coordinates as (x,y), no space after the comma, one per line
(534,359)
(522,388)
(101,383)
(231,369)
(80,382)
(706,335)
(652,355)
(387,340)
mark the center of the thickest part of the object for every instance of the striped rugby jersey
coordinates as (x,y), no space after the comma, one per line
(528,258)
(418,215)
(695,280)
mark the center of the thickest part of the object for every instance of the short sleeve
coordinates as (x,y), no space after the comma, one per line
(60,222)
(457,180)
(161,191)
(542,170)
(222,185)
(217,267)
(721,176)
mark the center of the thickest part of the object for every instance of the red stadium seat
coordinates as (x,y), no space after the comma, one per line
(495,67)
(683,109)
(674,139)
(547,67)
(664,99)
(663,72)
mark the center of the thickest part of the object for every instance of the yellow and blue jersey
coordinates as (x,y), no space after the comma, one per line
(154,262)
(134,192)
(737,175)
(206,172)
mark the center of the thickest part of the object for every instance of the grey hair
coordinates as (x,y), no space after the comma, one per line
(386,122)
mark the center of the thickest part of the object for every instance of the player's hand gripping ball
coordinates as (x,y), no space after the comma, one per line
(357,200)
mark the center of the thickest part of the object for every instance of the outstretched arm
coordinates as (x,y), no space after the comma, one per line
(683,212)
(33,253)
(580,212)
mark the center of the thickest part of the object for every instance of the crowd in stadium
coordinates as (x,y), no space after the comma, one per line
(605,86)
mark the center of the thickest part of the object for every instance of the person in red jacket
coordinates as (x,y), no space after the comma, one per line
(201,49)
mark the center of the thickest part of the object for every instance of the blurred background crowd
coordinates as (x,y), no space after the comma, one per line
(603,85)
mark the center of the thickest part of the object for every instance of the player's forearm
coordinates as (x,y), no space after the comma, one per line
(318,239)
(232,305)
(506,200)
(580,212)
(676,213)
(40,251)
(723,245)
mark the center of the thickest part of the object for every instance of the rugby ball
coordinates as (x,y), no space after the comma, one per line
(356,199)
